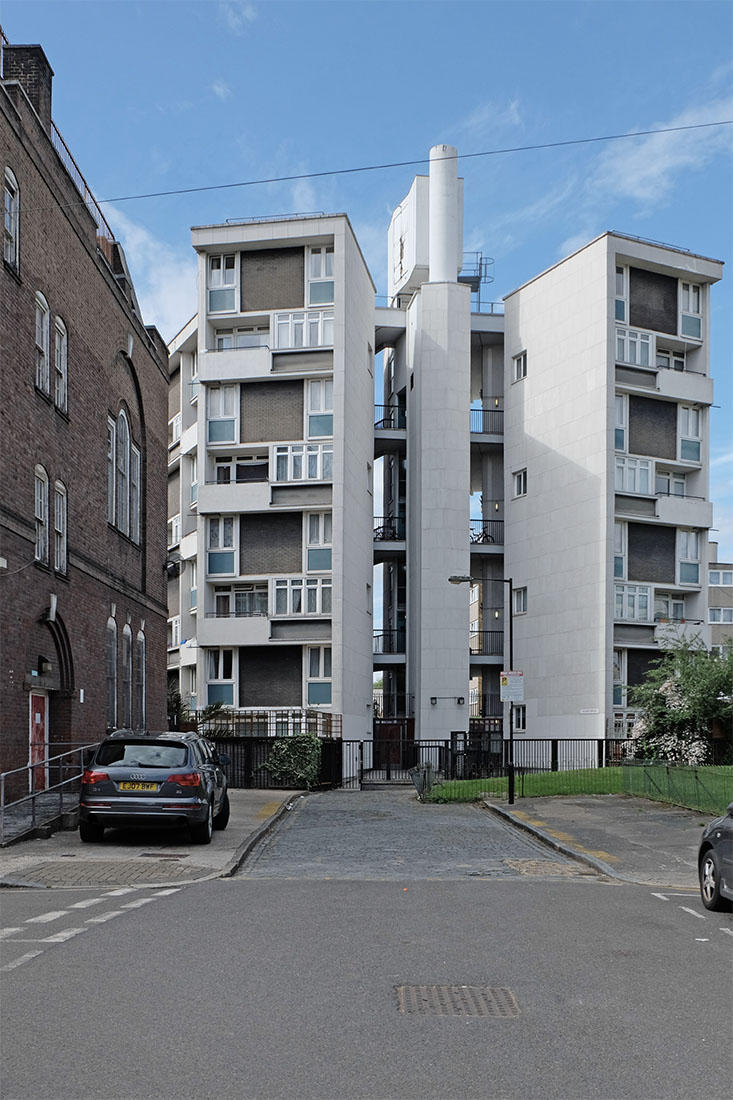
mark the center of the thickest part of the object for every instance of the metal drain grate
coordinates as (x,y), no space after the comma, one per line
(456,1000)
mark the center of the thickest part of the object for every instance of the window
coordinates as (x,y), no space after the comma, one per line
(222,284)
(670,360)
(174,632)
(519,712)
(123,474)
(220,676)
(633,475)
(140,709)
(690,421)
(111,670)
(304,462)
(318,539)
(319,674)
(520,601)
(135,465)
(41,516)
(303,596)
(111,460)
(193,583)
(11,220)
(174,429)
(622,294)
(519,367)
(194,377)
(311,328)
(249,336)
(619,677)
(124,478)
(633,347)
(220,558)
(632,602)
(126,677)
(621,420)
(520,483)
(320,275)
(194,478)
(667,484)
(720,577)
(720,615)
(668,608)
(222,413)
(59,527)
(320,407)
(690,310)
(61,355)
(192,687)
(174,530)
(688,543)
(619,550)
(43,381)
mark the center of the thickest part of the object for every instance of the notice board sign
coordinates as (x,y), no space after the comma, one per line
(511,687)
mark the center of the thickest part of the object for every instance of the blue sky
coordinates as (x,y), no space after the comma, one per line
(153,95)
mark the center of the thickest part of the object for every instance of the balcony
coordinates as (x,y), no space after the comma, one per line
(680,630)
(234,496)
(233,630)
(486,643)
(236,364)
(486,533)
(390,422)
(487,422)
(683,511)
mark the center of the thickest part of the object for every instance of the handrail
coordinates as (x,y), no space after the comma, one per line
(32,796)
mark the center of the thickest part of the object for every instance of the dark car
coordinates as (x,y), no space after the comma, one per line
(715,863)
(168,780)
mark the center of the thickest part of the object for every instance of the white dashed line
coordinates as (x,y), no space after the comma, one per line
(165,893)
(662,897)
(701,939)
(136,904)
(120,892)
(86,903)
(728,931)
(105,916)
(20,961)
(692,912)
(45,917)
(5,932)
(62,937)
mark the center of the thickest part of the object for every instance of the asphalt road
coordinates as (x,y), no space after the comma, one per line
(285,982)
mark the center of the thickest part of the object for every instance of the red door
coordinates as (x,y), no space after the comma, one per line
(39,741)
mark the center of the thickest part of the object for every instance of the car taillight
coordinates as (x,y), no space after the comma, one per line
(90,776)
(186,779)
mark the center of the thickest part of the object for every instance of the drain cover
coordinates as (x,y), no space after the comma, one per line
(456,1000)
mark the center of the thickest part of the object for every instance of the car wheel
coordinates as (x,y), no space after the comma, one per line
(89,833)
(222,818)
(201,834)
(710,882)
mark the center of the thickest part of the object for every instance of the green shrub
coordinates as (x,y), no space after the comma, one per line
(295,761)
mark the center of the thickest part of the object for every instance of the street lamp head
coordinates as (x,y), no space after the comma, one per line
(460,580)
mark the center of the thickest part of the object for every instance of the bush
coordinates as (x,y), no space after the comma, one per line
(295,761)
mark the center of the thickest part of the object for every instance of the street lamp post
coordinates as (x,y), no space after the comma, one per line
(510,754)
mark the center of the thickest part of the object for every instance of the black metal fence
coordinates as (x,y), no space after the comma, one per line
(487,421)
(389,416)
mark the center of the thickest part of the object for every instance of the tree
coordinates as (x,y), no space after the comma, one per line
(685,702)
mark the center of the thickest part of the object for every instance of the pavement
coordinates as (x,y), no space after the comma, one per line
(622,838)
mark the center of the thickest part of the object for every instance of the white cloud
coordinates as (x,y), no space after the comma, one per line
(164,277)
(236,15)
(488,118)
(221,90)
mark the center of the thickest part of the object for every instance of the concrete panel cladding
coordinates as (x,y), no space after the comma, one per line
(651,555)
(273,278)
(271,543)
(269,675)
(652,300)
(271,411)
(652,427)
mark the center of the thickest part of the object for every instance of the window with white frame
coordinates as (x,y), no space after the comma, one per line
(688,543)
(320,407)
(304,462)
(520,483)
(220,677)
(193,467)
(319,536)
(194,377)
(519,713)
(43,380)
(691,310)
(193,583)
(303,596)
(11,220)
(622,293)
(668,608)
(520,601)
(111,672)
(222,283)
(670,360)
(140,678)
(668,484)
(175,425)
(621,420)
(135,492)
(59,527)
(192,688)
(174,530)
(41,515)
(619,677)
(126,677)
(61,365)
(619,550)
(690,425)
(632,602)
(519,367)
(247,336)
(320,275)
(174,632)
(123,474)
(633,347)
(720,578)
(221,545)
(318,674)
(311,328)
(221,414)
(633,475)
(111,466)
(720,615)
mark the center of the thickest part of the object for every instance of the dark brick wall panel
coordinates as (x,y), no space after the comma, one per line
(652,427)
(637,665)
(271,678)
(652,301)
(273,278)
(271,411)
(651,553)
(271,544)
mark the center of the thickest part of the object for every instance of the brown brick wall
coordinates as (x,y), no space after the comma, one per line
(273,278)
(271,411)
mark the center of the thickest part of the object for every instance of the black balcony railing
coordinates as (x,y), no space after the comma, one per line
(486,643)
(487,531)
(389,416)
(487,421)
(389,641)
(393,705)
(389,528)
(486,706)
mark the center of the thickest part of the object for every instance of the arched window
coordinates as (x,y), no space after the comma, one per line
(127,677)
(59,527)
(41,515)
(61,357)
(11,220)
(123,474)
(43,380)
(111,663)
(140,715)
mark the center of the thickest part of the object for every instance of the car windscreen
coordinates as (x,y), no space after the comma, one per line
(142,754)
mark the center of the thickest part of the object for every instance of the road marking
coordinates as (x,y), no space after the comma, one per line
(120,892)
(268,809)
(165,893)
(728,931)
(86,903)
(136,904)
(701,939)
(105,916)
(45,917)
(20,961)
(692,912)
(662,897)
(5,932)
(61,937)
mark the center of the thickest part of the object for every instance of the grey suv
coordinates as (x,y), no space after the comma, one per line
(136,781)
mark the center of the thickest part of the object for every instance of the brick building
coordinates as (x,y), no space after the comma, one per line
(82,452)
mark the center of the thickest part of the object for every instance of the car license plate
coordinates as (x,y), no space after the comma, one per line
(138,786)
